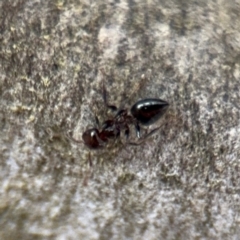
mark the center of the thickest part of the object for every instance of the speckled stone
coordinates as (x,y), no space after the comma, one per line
(182,183)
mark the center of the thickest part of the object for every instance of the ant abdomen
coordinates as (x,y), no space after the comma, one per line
(149,110)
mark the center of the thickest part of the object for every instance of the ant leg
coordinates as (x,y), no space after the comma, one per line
(112,107)
(88,173)
(97,121)
(72,139)
(127,133)
(151,133)
(137,127)
(144,137)
(90,160)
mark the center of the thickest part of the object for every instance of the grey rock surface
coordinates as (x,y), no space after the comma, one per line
(182,183)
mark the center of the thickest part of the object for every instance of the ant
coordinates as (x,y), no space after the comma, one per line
(144,112)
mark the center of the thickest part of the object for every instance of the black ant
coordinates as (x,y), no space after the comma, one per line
(143,112)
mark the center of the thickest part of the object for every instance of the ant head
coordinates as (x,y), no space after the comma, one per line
(91,138)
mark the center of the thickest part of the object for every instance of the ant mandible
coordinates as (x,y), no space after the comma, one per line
(144,112)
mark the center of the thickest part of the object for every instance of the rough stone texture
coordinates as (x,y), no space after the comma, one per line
(183,182)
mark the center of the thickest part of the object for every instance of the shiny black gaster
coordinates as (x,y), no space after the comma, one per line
(149,110)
